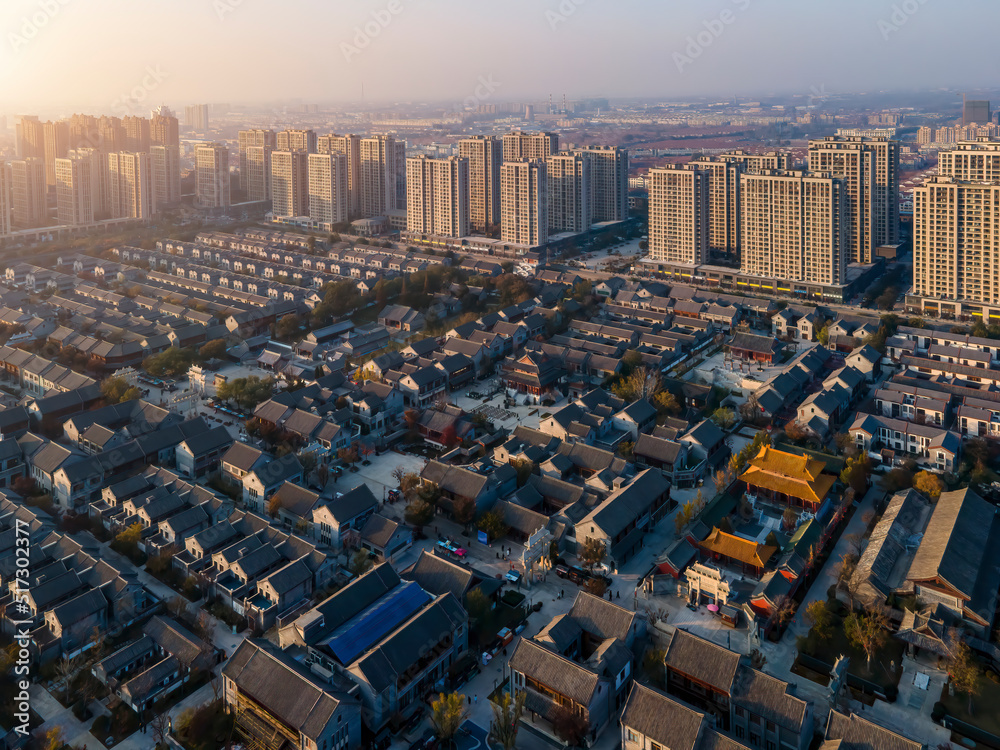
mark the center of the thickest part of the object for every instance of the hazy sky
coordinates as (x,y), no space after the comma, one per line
(59,54)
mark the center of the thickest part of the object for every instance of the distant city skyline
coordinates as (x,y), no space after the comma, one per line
(73,55)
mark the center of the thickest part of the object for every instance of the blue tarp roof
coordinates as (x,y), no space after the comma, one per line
(365,629)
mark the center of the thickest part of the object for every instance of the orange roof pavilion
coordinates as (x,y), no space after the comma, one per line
(796,480)
(736,549)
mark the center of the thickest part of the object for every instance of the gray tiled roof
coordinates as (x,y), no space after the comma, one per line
(656,448)
(379,530)
(394,655)
(283,687)
(242,456)
(706,662)
(769,697)
(955,540)
(439,576)
(662,719)
(554,671)
(601,618)
(860,734)
(352,504)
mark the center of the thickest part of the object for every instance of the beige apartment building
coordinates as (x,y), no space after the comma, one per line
(196,117)
(520,145)
(296,140)
(524,203)
(56,136)
(608,181)
(329,196)
(28,193)
(383,166)
(793,226)
(5,189)
(770,160)
(137,134)
(956,240)
(972,161)
(485,155)
(350,146)
(164,130)
(77,186)
(290,183)
(678,214)
(260,138)
(570,192)
(723,201)
(129,186)
(437,196)
(869,168)
(165,176)
(212,176)
(256,170)
(101,192)
(30,138)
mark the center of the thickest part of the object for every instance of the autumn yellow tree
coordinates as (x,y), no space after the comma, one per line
(447,714)
(929,485)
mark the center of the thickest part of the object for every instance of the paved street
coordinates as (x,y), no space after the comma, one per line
(53,714)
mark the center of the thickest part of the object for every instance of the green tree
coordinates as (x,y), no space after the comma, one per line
(493,524)
(642,382)
(856,472)
(477,604)
(725,418)
(626,449)
(582,290)
(288,327)
(820,618)
(447,714)
(171,362)
(130,535)
(418,514)
(247,392)
(524,467)
(667,402)
(117,391)
(507,713)
(464,510)
(361,562)
(964,672)
(214,349)
(592,552)
(868,631)
(631,361)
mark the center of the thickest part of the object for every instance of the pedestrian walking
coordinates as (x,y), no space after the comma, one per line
(618,595)
(475,699)
(469,698)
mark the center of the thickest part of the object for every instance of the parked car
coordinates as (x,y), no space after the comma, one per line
(452,549)
(505,635)
(412,722)
(562,571)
